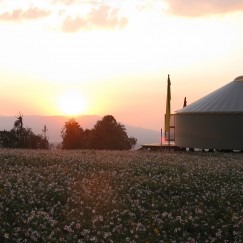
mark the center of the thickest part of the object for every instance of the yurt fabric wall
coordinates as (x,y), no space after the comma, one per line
(214,121)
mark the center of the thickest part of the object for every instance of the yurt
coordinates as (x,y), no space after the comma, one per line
(214,121)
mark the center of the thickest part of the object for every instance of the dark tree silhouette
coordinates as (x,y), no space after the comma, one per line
(18,128)
(132,142)
(8,139)
(72,135)
(18,124)
(20,137)
(106,134)
(109,134)
(19,132)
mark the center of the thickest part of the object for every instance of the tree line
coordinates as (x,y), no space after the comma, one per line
(106,134)
(21,137)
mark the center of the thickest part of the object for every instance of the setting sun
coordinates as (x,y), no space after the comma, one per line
(71,103)
(75,58)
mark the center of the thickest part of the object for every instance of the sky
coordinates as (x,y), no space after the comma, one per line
(69,57)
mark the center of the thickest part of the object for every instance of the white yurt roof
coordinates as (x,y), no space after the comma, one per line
(228,98)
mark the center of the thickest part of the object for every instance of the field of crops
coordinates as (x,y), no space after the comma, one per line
(135,196)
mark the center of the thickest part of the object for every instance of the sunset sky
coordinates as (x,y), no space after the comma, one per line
(113,56)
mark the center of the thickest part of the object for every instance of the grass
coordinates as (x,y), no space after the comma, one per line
(132,196)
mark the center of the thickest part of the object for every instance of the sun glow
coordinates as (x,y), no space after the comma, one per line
(72,103)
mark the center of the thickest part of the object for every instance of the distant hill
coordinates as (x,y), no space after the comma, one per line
(55,124)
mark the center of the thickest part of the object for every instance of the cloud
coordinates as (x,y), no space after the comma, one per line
(65,2)
(205,7)
(19,14)
(73,25)
(104,17)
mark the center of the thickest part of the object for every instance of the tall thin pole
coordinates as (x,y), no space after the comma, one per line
(161,137)
(169,137)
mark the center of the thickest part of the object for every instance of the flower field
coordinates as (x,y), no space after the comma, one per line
(120,196)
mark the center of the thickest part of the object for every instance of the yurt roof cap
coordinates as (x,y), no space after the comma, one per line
(227,99)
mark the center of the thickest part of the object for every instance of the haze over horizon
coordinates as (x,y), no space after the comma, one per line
(55,124)
(70,57)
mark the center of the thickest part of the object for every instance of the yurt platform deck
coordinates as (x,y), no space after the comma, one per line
(158,146)
(172,147)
